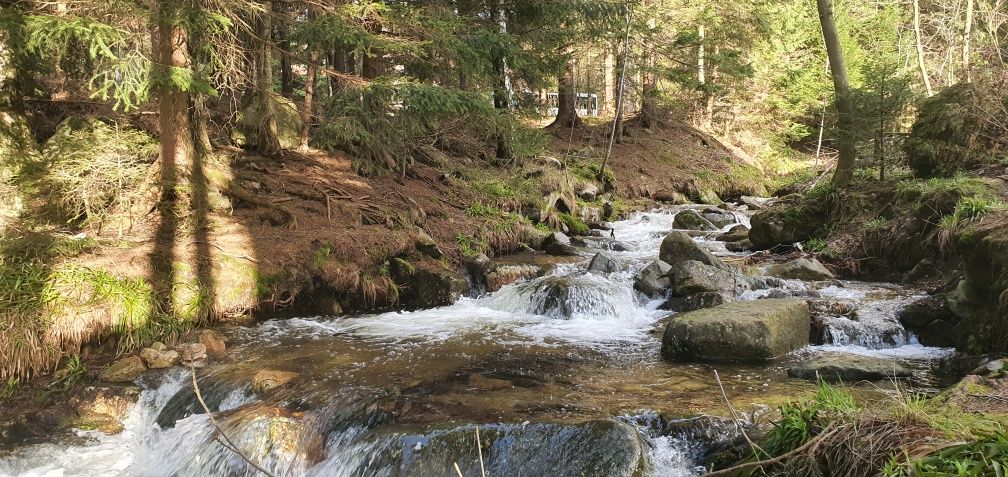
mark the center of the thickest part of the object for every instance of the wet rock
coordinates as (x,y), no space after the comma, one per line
(678,247)
(921,313)
(477,265)
(426,245)
(691,277)
(848,368)
(719,217)
(159,346)
(158,359)
(506,274)
(193,354)
(697,301)
(940,333)
(215,345)
(268,379)
(588,192)
(653,280)
(484,383)
(603,448)
(559,243)
(102,407)
(739,246)
(924,268)
(735,234)
(268,434)
(691,220)
(124,370)
(801,269)
(425,285)
(535,238)
(758,330)
(709,197)
(603,263)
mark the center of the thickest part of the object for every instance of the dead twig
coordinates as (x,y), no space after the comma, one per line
(224,439)
(812,443)
(735,418)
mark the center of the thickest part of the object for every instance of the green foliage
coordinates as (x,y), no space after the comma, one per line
(322,254)
(953,132)
(10,387)
(984,457)
(94,170)
(799,419)
(469,245)
(479,210)
(575,225)
(969,209)
(816,245)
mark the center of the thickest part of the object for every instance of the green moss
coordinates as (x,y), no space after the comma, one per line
(574,224)
(470,245)
(269,284)
(322,255)
(480,210)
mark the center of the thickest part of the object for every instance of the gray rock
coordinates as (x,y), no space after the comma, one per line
(758,330)
(193,354)
(785,224)
(288,119)
(848,368)
(735,234)
(739,246)
(588,192)
(921,313)
(504,274)
(691,220)
(697,301)
(424,285)
(678,247)
(991,369)
(718,217)
(691,277)
(801,269)
(653,280)
(124,370)
(754,203)
(558,243)
(603,263)
(158,359)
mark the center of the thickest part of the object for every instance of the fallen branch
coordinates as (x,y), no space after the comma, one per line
(227,442)
(828,432)
(752,445)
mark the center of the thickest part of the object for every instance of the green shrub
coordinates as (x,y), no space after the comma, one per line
(574,224)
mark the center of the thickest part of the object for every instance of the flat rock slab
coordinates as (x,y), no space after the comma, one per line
(848,368)
(759,330)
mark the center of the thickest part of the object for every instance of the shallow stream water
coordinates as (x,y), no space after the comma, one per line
(575,387)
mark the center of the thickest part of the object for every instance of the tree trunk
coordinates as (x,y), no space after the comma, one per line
(920,48)
(845,139)
(266,141)
(967,31)
(502,92)
(609,75)
(286,73)
(649,86)
(567,116)
(176,144)
(309,100)
(620,94)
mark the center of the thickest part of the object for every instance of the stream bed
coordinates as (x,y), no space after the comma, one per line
(574,386)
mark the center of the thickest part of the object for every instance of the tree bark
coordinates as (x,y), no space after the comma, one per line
(266,141)
(967,31)
(845,139)
(502,96)
(649,86)
(309,101)
(567,116)
(609,78)
(920,48)
(176,143)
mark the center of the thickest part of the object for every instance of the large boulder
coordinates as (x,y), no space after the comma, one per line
(691,277)
(808,269)
(678,247)
(758,330)
(603,263)
(653,280)
(718,217)
(848,368)
(500,275)
(559,243)
(737,233)
(786,223)
(691,220)
(18,149)
(697,301)
(160,358)
(288,120)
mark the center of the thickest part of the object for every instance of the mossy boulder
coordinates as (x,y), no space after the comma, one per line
(690,276)
(653,279)
(288,119)
(954,133)
(691,220)
(808,269)
(786,223)
(18,150)
(746,331)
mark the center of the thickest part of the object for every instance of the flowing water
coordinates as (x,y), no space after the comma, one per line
(561,373)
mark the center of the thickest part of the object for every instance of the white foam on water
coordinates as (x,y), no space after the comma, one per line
(907,351)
